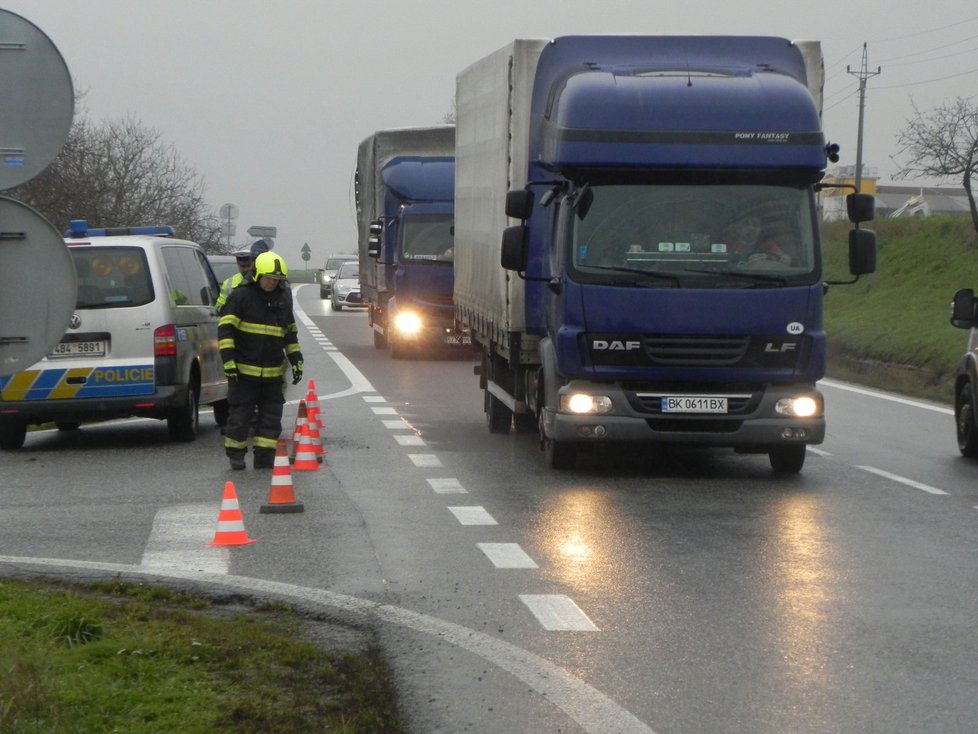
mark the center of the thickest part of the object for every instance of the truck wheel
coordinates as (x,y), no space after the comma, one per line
(787,459)
(525,422)
(498,416)
(183,422)
(12,434)
(558,455)
(380,340)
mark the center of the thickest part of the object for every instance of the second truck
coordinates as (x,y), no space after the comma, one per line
(637,241)
(404,189)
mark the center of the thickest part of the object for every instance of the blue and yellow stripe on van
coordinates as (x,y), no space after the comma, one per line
(79,382)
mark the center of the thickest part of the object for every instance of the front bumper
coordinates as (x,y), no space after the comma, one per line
(752,423)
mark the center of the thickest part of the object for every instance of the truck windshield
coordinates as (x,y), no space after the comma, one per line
(696,236)
(428,237)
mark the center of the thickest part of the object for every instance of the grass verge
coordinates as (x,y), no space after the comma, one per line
(124,657)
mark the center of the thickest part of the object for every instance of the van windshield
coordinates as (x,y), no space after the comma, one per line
(707,235)
(112,277)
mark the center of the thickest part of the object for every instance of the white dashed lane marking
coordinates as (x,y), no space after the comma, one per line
(507,555)
(409,439)
(902,480)
(558,613)
(427,461)
(473,515)
(447,485)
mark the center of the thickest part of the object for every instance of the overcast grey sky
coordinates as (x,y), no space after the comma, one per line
(268,101)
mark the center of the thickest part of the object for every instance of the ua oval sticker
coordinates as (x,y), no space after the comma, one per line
(795,328)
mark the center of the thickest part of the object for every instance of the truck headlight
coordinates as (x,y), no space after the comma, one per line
(802,406)
(407,322)
(581,403)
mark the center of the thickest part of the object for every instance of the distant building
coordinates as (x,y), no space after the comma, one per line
(892,200)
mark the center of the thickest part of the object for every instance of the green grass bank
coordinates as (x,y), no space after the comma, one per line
(891,330)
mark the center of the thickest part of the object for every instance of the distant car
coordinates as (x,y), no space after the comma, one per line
(329,272)
(346,287)
(142,340)
(224,266)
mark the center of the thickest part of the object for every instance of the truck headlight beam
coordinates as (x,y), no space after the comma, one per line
(585,404)
(407,323)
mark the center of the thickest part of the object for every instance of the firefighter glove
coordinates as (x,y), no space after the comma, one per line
(296,372)
(231,371)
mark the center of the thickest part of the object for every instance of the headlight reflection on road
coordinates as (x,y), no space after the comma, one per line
(803,574)
(583,541)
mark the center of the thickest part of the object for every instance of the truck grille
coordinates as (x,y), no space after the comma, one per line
(695,350)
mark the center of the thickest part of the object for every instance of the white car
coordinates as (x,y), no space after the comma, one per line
(142,340)
(346,287)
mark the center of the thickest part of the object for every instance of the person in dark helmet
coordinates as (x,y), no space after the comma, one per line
(245,259)
(256,329)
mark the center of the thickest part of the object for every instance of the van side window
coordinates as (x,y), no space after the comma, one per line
(188,280)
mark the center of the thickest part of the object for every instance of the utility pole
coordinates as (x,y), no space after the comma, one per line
(863,75)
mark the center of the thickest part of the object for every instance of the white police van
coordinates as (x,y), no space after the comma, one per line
(142,340)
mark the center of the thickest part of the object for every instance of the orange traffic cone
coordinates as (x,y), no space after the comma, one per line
(230,524)
(281,495)
(316,440)
(301,419)
(312,404)
(305,457)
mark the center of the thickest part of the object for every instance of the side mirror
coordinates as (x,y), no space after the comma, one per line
(519,203)
(862,252)
(861,207)
(373,247)
(376,227)
(514,250)
(963,309)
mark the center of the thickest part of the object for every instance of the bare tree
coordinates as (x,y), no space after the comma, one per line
(118,174)
(944,143)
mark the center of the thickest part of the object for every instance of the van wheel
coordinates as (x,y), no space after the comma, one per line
(787,459)
(221,411)
(334,305)
(964,419)
(12,434)
(184,422)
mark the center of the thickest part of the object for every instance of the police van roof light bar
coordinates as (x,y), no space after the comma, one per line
(79,228)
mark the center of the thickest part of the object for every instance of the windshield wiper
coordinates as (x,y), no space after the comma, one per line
(758,280)
(649,274)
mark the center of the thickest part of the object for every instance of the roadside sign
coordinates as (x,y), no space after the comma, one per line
(38,101)
(263,231)
(40,286)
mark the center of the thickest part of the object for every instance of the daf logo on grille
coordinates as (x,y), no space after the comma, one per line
(75,321)
(615,345)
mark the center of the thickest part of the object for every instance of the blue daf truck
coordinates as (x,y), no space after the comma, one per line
(404,188)
(637,248)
